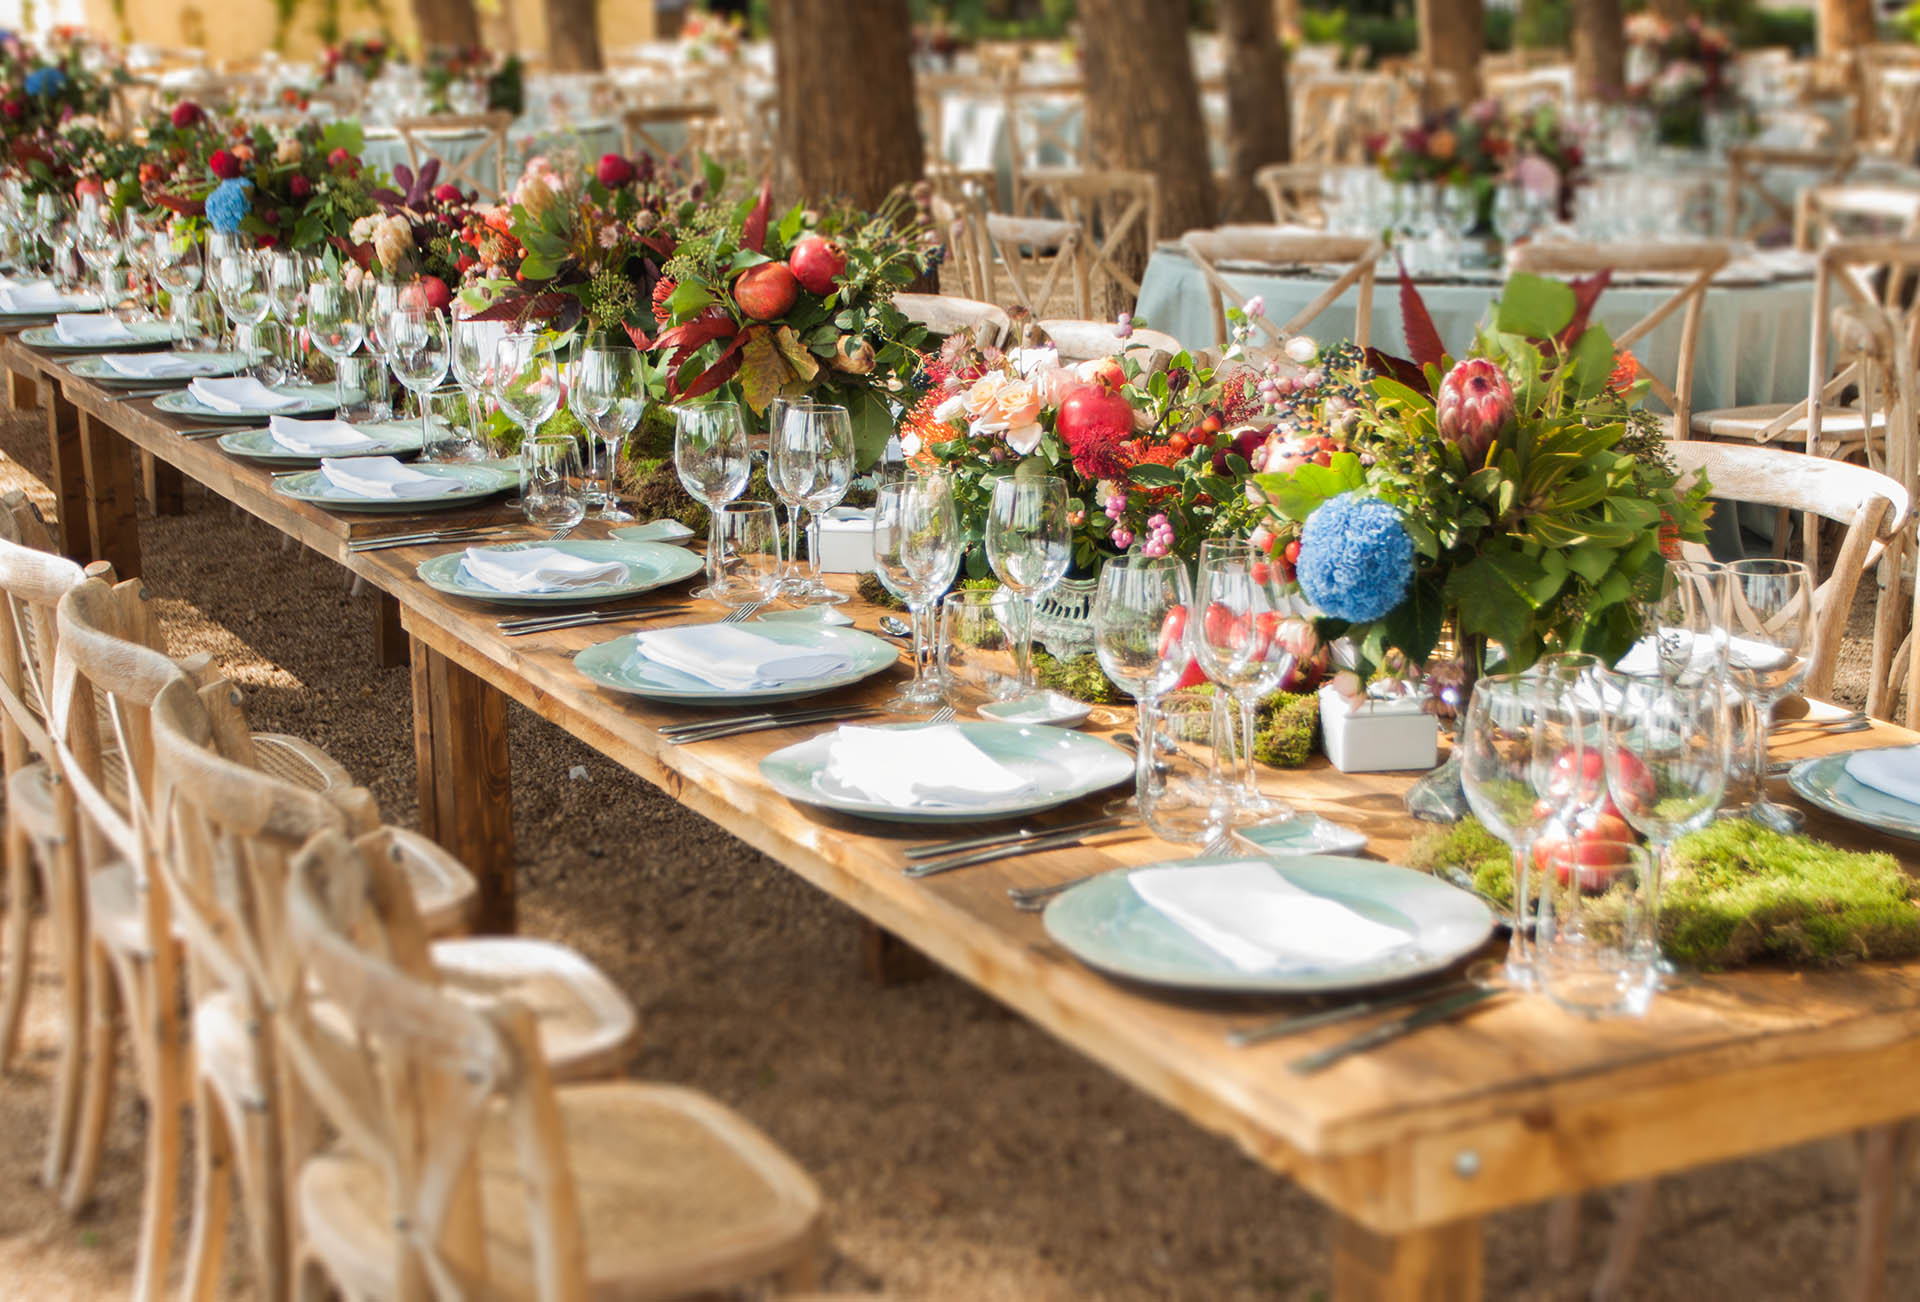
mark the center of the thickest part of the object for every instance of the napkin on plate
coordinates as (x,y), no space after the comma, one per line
(1644,656)
(914,767)
(318,438)
(1892,771)
(157,366)
(1257,920)
(91,328)
(40,298)
(539,569)
(383,477)
(729,656)
(240,394)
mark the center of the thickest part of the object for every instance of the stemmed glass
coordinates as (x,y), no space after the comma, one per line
(239,279)
(916,553)
(98,236)
(1138,612)
(526,382)
(417,351)
(52,217)
(811,466)
(710,455)
(1770,627)
(145,231)
(336,325)
(1686,621)
(610,396)
(287,276)
(1237,644)
(474,345)
(1029,545)
(178,263)
(1506,766)
(383,300)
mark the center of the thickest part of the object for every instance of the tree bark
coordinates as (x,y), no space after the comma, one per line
(1845,25)
(1143,109)
(446,22)
(849,125)
(573,36)
(1258,131)
(1599,50)
(1452,38)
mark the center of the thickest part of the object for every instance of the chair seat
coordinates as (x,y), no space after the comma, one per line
(299,763)
(223,1050)
(1838,427)
(676,1195)
(587,1027)
(444,892)
(30,803)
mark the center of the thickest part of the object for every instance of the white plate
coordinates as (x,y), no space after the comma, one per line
(476,480)
(1047,709)
(616,666)
(655,531)
(1302,834)
(649,566)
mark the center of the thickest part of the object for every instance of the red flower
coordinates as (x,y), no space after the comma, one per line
(1475,406)
(447,193)
(299,186)
(1625,371)
(223,164)
(614,171)
(662,289)
(149,174)
(13,108)
(339,158)
(186,114)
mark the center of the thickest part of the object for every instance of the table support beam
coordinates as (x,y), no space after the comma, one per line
(67,478)
(460,747)
(22,392)
(1441,1264)
(390,649)
(162,485)
(112,511)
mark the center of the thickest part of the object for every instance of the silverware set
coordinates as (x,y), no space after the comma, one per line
(423,537)
(1297,1022)
(524,625)
(1448,1009)
(734,726)
(1853,721)
(945,856)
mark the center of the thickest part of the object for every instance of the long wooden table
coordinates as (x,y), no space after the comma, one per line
(1410,1144)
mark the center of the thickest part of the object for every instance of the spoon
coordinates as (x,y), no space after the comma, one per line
(895,627)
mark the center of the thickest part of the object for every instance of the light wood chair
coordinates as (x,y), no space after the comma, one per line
(1278,246)
(1297,192)
(1529,89)
(1021,246)
(1752,209)
(1115,208)
(1043,130)
(475,146)
(956,202)
(1085,341)
(1693,265)
(641,129)
(944,314)
(461,1171)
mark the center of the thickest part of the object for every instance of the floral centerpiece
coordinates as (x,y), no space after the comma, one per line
(299,187)
(40,88)
(709,39)
(363,58)
(1482,146)
(1682,72)
(424,231)
(501,81)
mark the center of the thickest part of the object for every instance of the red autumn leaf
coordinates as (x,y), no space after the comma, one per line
(185,207)
(1586,293)
(753,234)
(638,336)
(1423,338)
(722,370)
(362,254)
(701,330)
(1399,368)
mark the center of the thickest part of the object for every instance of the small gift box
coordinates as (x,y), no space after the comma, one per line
(1379,735)
(845,539)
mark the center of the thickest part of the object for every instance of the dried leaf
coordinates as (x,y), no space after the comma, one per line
(1586,293)
(764,370)
(795,350)
(722,370)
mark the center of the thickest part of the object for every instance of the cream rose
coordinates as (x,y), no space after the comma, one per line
(979,399)
(1017,404)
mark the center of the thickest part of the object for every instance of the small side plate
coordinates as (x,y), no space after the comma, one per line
(1051,709)
(1302,834)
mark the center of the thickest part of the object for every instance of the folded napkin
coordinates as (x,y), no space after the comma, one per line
(1646,655)
(91,328)
(158,366)
(240,394)
(1259,921)
(40,298)
(318,438)
(539,569)
(383,477)
(1893,771)
(729,656)
(911,768)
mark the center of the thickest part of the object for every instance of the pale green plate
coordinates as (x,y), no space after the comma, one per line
(1825,782)
(649,566)
(395,438)
(616,665)
(1060,764)
(314,400)
(1106,925)
(1302,834)
(146,334)
(476,482)
(97,370)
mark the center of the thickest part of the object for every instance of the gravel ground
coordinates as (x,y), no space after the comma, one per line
(963,1153)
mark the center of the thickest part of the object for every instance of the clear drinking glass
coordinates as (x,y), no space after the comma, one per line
(1029,545)
(239,279)
(916,553)
(1687,621)
(1595,960)
(144,233)
(1189,802)
(1506,773)
(417,352)
(52,218)
(288,274)
(336,325)
(552,484)
(976,645)
(355,378)
(196,322)
(810,465)
(1770,637)
(474,346)
(1139,613)
(750,536)
(710,456)
(1236,640)
(99,236)
(178,262)
(610,388)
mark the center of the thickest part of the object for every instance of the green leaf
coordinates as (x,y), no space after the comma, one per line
(345,134)
(1589,562)
(1414,625)
(535,267)
(791,223)
(744,258)
(1488,605)
(1154,476)
(1535,307)
(873,424)
(687,298)
(1591,363)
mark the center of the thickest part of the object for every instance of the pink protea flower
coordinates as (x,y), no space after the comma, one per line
(1475,405)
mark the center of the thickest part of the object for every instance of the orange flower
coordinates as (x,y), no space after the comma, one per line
(1441,144)
(1625,371)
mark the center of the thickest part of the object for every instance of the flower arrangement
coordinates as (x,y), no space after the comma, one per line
(1483,145)
(709,39)
(41,88)
(420,232)
(361,57)
(301,187)
(500,81)
(1681,72)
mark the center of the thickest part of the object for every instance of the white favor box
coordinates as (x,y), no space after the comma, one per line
(1379,736)
(845,540)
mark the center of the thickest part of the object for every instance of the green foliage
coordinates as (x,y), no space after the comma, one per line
(871,589)
(1287,727)
(1080,677)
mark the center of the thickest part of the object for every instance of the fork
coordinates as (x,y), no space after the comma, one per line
(942,715)
(743,613)
(560,533)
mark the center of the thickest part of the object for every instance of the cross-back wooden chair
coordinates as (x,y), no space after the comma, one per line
(957,204)
(1298,193)
(1866,210)
(1694,265)
(1333,113)
(462,1171)
(1086,341)
(1115,208)
(946,314)
(1523,90)
(1754,210)
(642,128)
(475,146)
(1285,246)
(1043,131)
(1021,246)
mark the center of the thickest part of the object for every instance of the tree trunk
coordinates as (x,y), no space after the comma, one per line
(1674,11)
(446,22)
(1599,50)
(573,36)
(1452,37)
(1845,25)
(1143,109)
(1257,103)
(849,125)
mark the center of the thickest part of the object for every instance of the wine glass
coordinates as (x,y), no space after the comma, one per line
(239,279)
(417,352)
(526,382)
(1029,545)
(810,466)
(52,217)
(336,325)
(1139,611)
(1506,763)
(179,263)
(383,300)
(916,553)
(1236,640)
(610,383)
(287,276)
(145,232)
(1686,621)
(1770,637)
(98,236)
(474,345)
(710,455)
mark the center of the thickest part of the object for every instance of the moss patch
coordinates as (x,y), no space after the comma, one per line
(1287,729)
(1080,677)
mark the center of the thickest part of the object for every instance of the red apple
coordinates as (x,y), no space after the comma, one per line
(1173,631)
(1596,852)
(817,263)
(766,292)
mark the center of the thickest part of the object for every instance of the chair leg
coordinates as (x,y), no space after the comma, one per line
(1636,1208)
(163,1081)
(802,1276)
(212,1198)
(96,1105)
(1884,1154)
(1563,1231)
(18,969)
(66,914)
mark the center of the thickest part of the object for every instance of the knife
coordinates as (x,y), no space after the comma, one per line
(1431,1015)
(1035,845)
(1328,1016)
(785,721)
(943,848)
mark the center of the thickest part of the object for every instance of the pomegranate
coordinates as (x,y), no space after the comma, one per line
(1172,633)
(817,263)
(767,291)
(1093,421)
(435,291)
(1595,851)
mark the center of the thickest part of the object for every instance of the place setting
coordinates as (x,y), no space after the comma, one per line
(150,370)
(291,441)
(244,400)
(96,332)
(383,485)
(30,302)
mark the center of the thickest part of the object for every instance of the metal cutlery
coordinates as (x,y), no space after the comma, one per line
(741,614)
(894,627)
(942,715)
(583,619)
(1433,1014)
(772,722)
(1251,1035)
(763,716)
(1032,899)
(560,533)
(468,534)
(1034,845)
(1852,721)
(939,848)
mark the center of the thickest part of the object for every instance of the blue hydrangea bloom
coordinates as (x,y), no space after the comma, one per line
(228,205)
(1356,558)
(45,81)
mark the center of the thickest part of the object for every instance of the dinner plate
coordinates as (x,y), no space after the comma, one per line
(1105,924)
(1061,766)
(617,666)
(649,566)
(146,334)
(97,370)
(1302,834)
(1824,781)
(392,438)
(655,531)
(476,480)
(314,400)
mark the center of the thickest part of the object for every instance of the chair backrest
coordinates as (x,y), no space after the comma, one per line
(1754,209)
(957,204)
(1872,508)
(33,579)
(1297,192)
(1043,128)
(1084,341)
(1693,264)
(1115,208)
(1524,90)
(646,128)
(1019,246)
(1285,246)
(1833,214)
(475,146)
(943,314)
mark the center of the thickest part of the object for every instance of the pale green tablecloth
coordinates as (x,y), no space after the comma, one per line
(385,150)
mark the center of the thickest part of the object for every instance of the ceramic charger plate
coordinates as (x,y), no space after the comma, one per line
(1106,925)
(391,438)
(476,481)
(649,566)
(142,334)
(310,400)
(1059,764)
(618,666)
(212,364)
(1825,782)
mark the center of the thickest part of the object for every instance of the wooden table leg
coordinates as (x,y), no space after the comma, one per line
(390,649)
(22,392)
(111,506)
(68,478)
(460,746)
(161,484)
(1442,1264)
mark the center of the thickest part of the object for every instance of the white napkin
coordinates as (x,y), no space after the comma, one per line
(539,569)
(1893,771)
(91,328)
(729,656)
(240,394)
(917,767)
(317,438)
(1644,656)
(383,477)
(157,366)
(40,298)
(1259,921)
